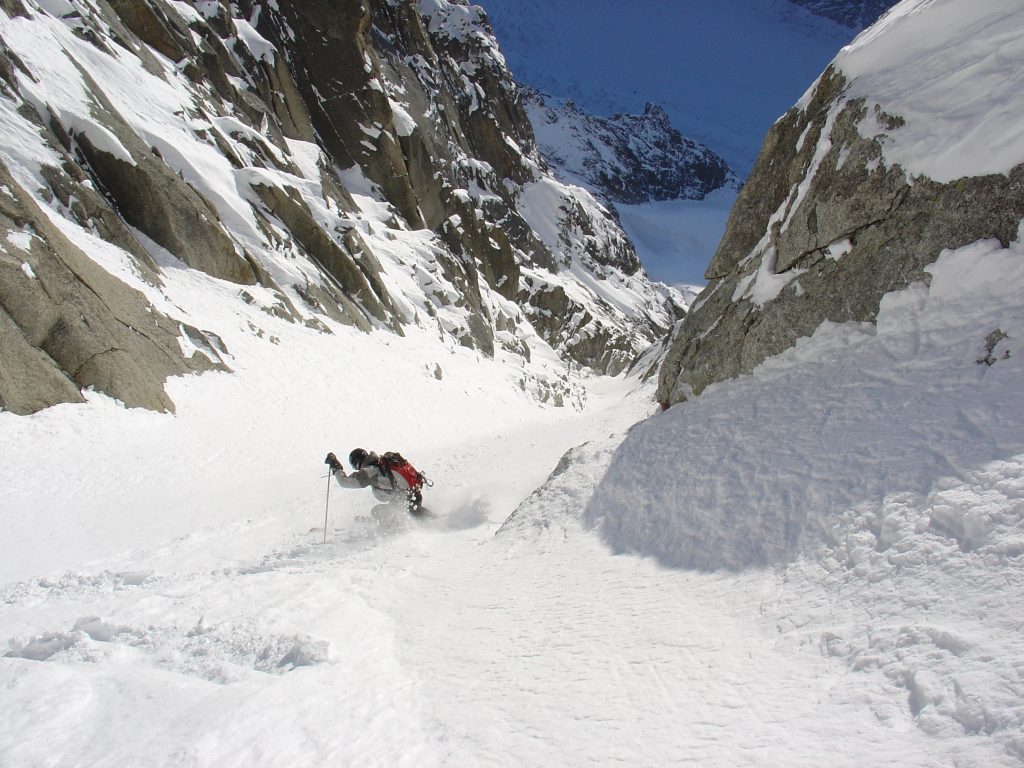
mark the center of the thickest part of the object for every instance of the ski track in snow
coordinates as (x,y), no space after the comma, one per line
(167,599)
(444,650)
(439,643)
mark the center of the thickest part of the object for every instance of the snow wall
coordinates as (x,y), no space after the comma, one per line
(854,424)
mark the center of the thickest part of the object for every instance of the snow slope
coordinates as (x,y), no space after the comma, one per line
(167,600)
(880,472)
(676,239)
(819,563)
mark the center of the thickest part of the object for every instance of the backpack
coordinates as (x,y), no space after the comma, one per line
(392,462)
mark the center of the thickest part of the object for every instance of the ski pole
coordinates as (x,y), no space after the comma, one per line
(327,504)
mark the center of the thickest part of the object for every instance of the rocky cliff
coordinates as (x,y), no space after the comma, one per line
(857,190)
(359,163)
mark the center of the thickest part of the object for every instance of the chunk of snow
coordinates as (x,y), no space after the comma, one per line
(404,124)
(261,48)
(20,239)
(839,248)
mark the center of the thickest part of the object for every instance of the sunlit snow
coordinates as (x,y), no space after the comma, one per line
(817,564)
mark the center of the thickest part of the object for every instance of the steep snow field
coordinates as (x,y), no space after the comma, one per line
(168,600)
(879,471)
(675,239)
(821,563)
(157,570)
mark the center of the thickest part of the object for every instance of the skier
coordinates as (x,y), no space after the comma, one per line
(393,480)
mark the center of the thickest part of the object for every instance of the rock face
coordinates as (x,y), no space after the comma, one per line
(627,159)
(821,230)
(66,324)
(306,152)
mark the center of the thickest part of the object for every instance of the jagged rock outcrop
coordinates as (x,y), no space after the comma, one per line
(367,163)
(627,159)
(361,289)
(821,230)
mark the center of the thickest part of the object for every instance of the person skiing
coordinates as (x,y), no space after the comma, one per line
(391,478)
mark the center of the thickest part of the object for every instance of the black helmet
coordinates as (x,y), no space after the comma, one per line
(357,457)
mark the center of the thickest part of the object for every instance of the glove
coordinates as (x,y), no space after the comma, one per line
(332,462)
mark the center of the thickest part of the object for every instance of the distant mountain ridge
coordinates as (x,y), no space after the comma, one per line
(856,14)
(714,68)
(624,158)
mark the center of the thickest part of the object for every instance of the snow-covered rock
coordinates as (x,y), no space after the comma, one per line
(858,435)
(907,146)
(627,159)
(876,470)
(362,164)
